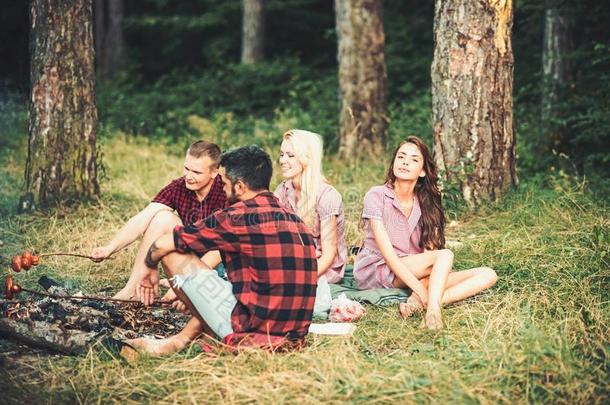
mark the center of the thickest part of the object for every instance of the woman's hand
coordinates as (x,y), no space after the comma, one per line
(422,294)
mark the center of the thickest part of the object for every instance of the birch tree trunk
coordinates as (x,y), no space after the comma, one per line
(253,31)
(362,77)
(61,163)
(472,80)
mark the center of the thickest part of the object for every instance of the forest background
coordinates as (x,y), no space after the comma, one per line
(540,336)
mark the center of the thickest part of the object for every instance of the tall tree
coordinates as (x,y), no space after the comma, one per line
(556,70)
(472,81)
(362,77)
(61,163)
(253,34)
(108,36)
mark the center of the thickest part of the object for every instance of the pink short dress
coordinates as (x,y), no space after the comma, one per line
(370,268)
(329,203)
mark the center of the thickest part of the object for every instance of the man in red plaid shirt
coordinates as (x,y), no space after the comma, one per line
(193,197)
(269,256)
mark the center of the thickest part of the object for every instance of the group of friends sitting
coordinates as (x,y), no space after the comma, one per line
(278,251)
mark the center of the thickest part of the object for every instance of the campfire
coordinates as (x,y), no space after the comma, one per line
(65,321)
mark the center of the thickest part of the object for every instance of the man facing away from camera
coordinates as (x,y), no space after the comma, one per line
(268,253)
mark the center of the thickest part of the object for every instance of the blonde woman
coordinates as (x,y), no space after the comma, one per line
(308,194)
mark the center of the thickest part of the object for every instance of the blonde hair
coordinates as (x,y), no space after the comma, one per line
(308,148)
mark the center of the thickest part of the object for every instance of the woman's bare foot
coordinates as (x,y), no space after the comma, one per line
(412,306)
(159,347)
(433,319)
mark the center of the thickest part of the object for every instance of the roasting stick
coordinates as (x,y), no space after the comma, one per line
(11,288)
(71,254)
(27,259)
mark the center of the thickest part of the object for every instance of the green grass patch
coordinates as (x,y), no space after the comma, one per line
(540,335)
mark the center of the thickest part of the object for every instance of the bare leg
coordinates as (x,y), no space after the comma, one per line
(467,283)
(460,285)
(433,269)
(173,264)
(435,264)
(162,223)
(436,287)
(211,259)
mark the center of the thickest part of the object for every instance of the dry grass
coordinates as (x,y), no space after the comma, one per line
(540,335)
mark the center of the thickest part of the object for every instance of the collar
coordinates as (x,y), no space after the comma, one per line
(415,211)
(290,194)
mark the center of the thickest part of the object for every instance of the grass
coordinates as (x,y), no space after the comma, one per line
(540,335)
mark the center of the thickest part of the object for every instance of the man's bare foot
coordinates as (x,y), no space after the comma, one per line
(125,294)
(412,306)
(433,319)
(159,347)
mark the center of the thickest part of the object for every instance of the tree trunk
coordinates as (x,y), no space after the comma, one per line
(99,35)
(108,35)
(362,77)
(472,80)
(556,73)
(253,40)
(61,163)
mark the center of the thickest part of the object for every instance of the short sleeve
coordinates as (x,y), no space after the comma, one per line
(373,204)
(166,195)
(213,233)
(330,204)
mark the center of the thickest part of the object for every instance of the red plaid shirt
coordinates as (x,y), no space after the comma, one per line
(270,258)
(190,210)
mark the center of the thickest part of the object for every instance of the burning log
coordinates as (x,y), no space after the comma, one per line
(49,336)
(72,326)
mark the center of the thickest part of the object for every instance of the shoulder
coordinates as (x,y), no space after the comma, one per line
(376,193)
(328,193)
(176,184)
(216,182)
(168,193)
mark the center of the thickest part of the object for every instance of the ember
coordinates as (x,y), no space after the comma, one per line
(72,326)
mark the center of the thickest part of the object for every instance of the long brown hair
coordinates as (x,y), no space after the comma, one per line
(432,221)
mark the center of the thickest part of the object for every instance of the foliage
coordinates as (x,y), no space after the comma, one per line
(161,110)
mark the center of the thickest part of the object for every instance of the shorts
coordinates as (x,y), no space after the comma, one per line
(212,297)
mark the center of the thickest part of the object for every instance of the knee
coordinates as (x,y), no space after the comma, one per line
(446,254)
(165,220)
(490,276)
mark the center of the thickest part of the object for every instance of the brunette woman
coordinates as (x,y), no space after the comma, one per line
(405,238)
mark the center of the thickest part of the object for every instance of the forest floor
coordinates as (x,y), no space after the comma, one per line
(541,334)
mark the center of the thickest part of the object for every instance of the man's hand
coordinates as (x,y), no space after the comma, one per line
(171,297)
(100,253)
(148,287)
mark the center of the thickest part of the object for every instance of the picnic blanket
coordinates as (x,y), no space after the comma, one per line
(348,286)
(375,296)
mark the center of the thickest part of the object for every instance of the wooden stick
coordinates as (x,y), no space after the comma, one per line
(71,254)
(70,297)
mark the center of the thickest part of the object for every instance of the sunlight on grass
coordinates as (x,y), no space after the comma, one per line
(540,335)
